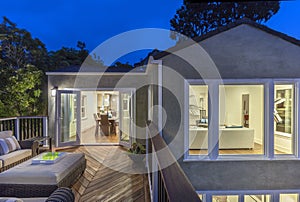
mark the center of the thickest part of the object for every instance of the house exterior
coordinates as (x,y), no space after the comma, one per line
(229,107)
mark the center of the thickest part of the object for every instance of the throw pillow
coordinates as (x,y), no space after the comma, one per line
(12,143)
(3,147)
(62,194)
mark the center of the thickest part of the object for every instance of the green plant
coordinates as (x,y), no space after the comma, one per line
(137,148)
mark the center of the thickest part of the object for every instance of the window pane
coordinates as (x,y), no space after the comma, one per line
(283,119)
(241,119)
(255,198)
(198,119)
(289,198)
(231,198)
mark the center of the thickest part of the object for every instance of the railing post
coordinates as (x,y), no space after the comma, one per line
(155,173)
(45,131)
(45,126)
(17,128)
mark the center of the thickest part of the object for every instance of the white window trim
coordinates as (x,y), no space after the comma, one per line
(275,194)
(213,130)
(83,106)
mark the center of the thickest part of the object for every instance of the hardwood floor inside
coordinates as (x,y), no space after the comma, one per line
(258,149)
(93,135)
(110,175)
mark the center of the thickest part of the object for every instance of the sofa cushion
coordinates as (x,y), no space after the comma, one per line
(12,143)
(6,134)
(4,149)
(43,174)
(10,199)
(15,156)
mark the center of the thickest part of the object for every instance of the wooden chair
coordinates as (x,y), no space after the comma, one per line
(98,124)
(105,125)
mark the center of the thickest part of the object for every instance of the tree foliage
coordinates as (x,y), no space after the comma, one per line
(23,94)
(22,62)
(196,19)
(18,48)
(66,57)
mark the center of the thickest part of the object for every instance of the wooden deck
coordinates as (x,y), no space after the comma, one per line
(110,176)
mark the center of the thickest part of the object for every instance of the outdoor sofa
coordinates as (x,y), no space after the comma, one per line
(62,194)
(18,151)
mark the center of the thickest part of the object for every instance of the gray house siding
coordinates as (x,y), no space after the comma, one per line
(243,52)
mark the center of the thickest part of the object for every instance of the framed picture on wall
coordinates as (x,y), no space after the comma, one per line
(125,104)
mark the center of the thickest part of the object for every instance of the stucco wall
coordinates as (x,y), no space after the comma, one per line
(241,53)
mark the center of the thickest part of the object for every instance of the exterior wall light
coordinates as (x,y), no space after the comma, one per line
(53,91)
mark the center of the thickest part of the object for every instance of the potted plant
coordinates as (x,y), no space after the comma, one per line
(136,152)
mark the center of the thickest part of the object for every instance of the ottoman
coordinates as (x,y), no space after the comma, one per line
(40,180)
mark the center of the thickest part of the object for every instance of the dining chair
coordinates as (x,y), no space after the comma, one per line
(98,124)
(105,125)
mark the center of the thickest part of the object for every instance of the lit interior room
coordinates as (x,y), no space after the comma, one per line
(241,119)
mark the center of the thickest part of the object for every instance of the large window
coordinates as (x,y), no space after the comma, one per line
(241,119)
(243,123)
(198,119)
(283,119)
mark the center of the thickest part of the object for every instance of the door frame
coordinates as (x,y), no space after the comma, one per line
(132,114)
(58,118)
(133,106)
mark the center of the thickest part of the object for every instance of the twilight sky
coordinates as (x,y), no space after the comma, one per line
(60,23)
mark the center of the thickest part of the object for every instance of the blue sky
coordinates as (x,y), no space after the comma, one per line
(60,23)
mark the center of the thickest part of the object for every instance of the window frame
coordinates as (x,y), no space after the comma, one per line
(274,194)
(213,115)
(83,106)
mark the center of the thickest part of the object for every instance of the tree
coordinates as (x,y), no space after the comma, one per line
(22,62)
(66,57)
(18,48)
(196,19)
(22,94)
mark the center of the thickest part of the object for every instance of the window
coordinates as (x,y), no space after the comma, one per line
(225,198)
(198,119)
(256,198)
(283,119)
(241,119)
(83,106)
(289,197)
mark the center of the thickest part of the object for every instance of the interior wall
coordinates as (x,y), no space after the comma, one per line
(91,108)
(197,92)
(232,103)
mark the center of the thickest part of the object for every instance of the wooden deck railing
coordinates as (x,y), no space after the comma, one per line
(167,180)
(26,127)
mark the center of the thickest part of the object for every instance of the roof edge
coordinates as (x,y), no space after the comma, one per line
(231,25)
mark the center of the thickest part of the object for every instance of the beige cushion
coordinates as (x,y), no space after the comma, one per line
(6,134)
(27,173)
(15,156)
(33,199)
(10,199)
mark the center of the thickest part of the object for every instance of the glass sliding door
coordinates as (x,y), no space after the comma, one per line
(126,117)
(68,118)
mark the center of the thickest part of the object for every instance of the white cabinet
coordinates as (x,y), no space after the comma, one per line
(230,138)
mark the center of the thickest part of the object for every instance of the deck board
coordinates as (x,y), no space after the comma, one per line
(105,177)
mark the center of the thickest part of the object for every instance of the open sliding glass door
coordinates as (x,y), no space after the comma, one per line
(126,124)
(68,115)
